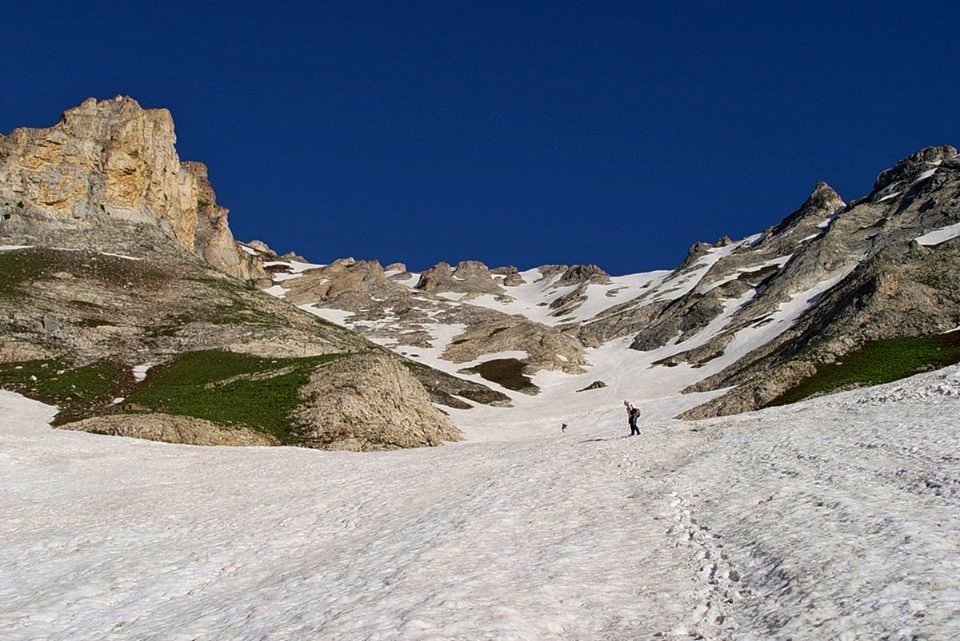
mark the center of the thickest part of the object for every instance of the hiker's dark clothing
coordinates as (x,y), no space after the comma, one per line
(633,414)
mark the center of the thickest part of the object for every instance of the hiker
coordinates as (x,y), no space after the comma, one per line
(632,415)
(563,427)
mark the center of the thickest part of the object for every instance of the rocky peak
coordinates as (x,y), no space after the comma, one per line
(511,275)
(576,274)
(468,268)
(695,251)
(549,271)
(396,267)
(469,277)
(432,279)
(352,284)
(262,247)
(368,268)
(107,165)
(914,164)
(822,203)
(823,196)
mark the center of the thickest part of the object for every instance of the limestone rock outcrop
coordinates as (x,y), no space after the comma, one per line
(511,275)
(468,277)
(107,171)
(370,402)
(546,347)
(171,429)
(395,314)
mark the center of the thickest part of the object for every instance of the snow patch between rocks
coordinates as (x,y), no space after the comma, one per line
(140,371)
(938,236)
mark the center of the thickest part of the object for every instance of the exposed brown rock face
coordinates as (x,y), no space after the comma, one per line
(171,429)
(370,402)
(511,275)
(352,284)
(469,277)
(104,173)
(914,164)
(577,274)
(546,347)
(385,309)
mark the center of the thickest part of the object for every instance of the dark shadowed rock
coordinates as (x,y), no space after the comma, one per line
(593,385)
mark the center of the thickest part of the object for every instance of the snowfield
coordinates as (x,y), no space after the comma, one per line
(837,518)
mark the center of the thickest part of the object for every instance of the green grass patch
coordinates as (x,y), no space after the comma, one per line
(230,389)
(79,391)
(878,362)
(17,266)
(238,314)
(20,266)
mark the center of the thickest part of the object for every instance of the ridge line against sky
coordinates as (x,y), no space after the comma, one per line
(512,133)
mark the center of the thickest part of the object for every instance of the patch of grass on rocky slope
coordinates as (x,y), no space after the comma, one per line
(20,266)
(229,389)
(78,392)
(507,372)
(878,362)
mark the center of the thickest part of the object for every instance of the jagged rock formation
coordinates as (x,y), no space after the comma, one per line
(395,314)
(581,274)
(580,277)
(468,277)
(106,174)
(370,403)
(592,386)
(892,286)
(751,271)
(511,275)
(914,165)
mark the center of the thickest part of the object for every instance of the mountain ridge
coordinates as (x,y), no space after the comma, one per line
(734,327)
(686,312)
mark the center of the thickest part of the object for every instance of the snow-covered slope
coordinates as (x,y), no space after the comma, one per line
(831,519)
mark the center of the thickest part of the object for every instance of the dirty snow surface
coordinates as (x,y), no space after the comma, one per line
(837,518)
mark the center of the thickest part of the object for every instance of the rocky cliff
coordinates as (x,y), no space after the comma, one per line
(107,176)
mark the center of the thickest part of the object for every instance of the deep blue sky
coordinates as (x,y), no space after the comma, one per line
(514,133)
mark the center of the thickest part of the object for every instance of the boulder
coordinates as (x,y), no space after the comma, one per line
(369,402)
